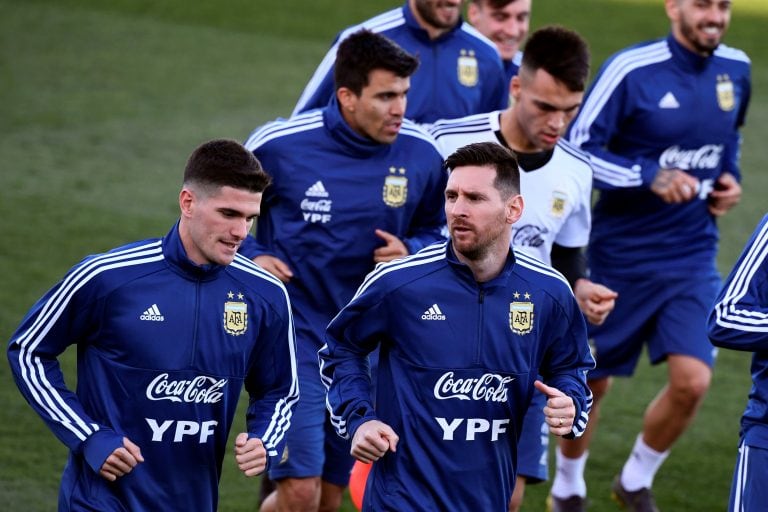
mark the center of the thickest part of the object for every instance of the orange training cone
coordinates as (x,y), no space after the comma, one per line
(357,480)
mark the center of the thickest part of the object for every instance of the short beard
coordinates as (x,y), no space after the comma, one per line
(689,33)
(427,16)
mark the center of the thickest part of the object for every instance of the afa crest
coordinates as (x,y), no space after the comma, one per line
(395,190)
(558,204)
(521,315)
(467,68)
(725,98)
(235,316)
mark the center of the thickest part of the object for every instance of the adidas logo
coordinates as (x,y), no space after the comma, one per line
(669,101)
(317,190)
(152,314)
(433,313)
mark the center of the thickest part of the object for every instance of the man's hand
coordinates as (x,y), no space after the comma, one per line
(250,454)
(393,249)
(675,186)
(121,461)
(274,266)
(595,300)
(559,412)
(726,195)
(372,440)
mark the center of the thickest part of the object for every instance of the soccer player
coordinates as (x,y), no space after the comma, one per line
(661,123)
(506,23)
(354,184)
(460,71)
(556,179)
(739,321)
(464,328)
(167,332)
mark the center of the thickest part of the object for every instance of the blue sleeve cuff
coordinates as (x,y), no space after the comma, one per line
(99,446)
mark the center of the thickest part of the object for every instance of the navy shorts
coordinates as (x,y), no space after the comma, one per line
(748,490)
(532,454)
(312,447)
(667,313)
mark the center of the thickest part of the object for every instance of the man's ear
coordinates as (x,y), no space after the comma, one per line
(515,206)
(673,10)
(473,11)
(186,201)
(347,99)
(514,88)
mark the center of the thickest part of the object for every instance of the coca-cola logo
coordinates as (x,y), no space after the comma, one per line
(705,157)
(201,389)
(321,205)
(490,387)
(530,235)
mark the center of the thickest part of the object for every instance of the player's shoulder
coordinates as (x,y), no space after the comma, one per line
(451,134)
(543,275)
(110,270)
(635,57)
(380,24)
(480,42)
(256,278)
(473,123)
(414,133)
(391,275)
(280,128)
(577,158)
(729,53)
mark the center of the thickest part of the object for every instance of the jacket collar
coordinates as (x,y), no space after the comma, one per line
(688,60)
(466,273)
(350,141)
(176,256)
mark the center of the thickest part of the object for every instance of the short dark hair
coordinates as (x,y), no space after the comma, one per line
(364,51)
(561,52)
(490,154)
(225,163)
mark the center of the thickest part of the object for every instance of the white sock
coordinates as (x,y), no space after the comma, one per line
(569,477)
(641,466)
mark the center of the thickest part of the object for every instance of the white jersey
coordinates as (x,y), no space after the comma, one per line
(557,194)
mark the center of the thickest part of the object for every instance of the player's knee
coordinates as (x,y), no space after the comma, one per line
(298,494)
(331,497)
(688,392)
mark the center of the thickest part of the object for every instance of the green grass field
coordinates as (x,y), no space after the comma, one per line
(101,102)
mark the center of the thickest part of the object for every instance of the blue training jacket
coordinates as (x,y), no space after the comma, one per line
(739,321)
(164,347)
(460,73)
(331,189)
(659,105)
(457,364)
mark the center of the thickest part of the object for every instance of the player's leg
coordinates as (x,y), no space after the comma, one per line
(532,446)
(267,494)
(331,496)
(682,340)
(673,409)
(569,485)
(517,494)
(617,345)
(298,494)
